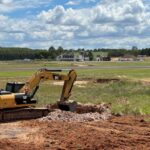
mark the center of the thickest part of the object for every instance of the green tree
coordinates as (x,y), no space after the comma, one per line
(60,50)
(51,49)
(52,53)
(91,57)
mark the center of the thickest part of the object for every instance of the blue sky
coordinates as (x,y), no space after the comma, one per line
(75,23)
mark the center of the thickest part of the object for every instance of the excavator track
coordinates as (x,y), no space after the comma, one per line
(22,114)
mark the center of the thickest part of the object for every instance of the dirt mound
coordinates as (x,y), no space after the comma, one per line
(59,115)
(83,112)
(86,108)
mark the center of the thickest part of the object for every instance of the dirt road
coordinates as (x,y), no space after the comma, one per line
(126,133)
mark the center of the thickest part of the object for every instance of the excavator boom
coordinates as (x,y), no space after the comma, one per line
(42,75)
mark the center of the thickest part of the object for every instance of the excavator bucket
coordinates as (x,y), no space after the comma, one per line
(68,105)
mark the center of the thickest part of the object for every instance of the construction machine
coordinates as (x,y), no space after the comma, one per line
(17,100)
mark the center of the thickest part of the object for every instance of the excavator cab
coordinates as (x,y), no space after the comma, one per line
(11,87)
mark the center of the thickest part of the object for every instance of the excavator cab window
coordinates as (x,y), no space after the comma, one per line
(14,87)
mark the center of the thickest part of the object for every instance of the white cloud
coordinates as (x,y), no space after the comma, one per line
(53,16)
(111,23)
(72,3)
(60,16)
(111,20)
(131,11)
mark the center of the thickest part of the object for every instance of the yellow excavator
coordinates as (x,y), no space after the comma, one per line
(17,100)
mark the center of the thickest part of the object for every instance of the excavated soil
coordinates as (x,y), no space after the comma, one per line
(66,116)
(116,133)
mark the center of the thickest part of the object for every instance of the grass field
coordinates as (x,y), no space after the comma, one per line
(128,96)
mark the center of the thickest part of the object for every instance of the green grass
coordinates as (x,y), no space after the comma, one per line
(88,73)
(14,74)
(127,96)
(109,73)
(34,64)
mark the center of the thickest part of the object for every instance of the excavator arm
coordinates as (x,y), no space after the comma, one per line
(32,85)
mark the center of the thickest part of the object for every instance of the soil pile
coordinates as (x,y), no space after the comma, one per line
(59,115)
(84,112)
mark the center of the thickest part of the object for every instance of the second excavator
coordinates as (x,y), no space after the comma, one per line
(17,100)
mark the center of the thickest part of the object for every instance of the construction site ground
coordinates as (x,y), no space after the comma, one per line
(122,132)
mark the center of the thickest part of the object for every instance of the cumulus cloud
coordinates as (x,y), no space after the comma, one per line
(132,11)
(61,16)
(110,23)
(110,20)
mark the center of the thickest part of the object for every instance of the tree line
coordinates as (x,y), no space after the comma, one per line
(12,53)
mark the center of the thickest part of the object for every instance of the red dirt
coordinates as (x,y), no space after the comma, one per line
(126,132)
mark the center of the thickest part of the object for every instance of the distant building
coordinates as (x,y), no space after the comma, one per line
(130,58)
(103,58)
(27,60)
(83,56)
(66,57)
(72,57)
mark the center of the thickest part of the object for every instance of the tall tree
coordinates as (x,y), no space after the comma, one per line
(51,49)
(91,57)
(60,50)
